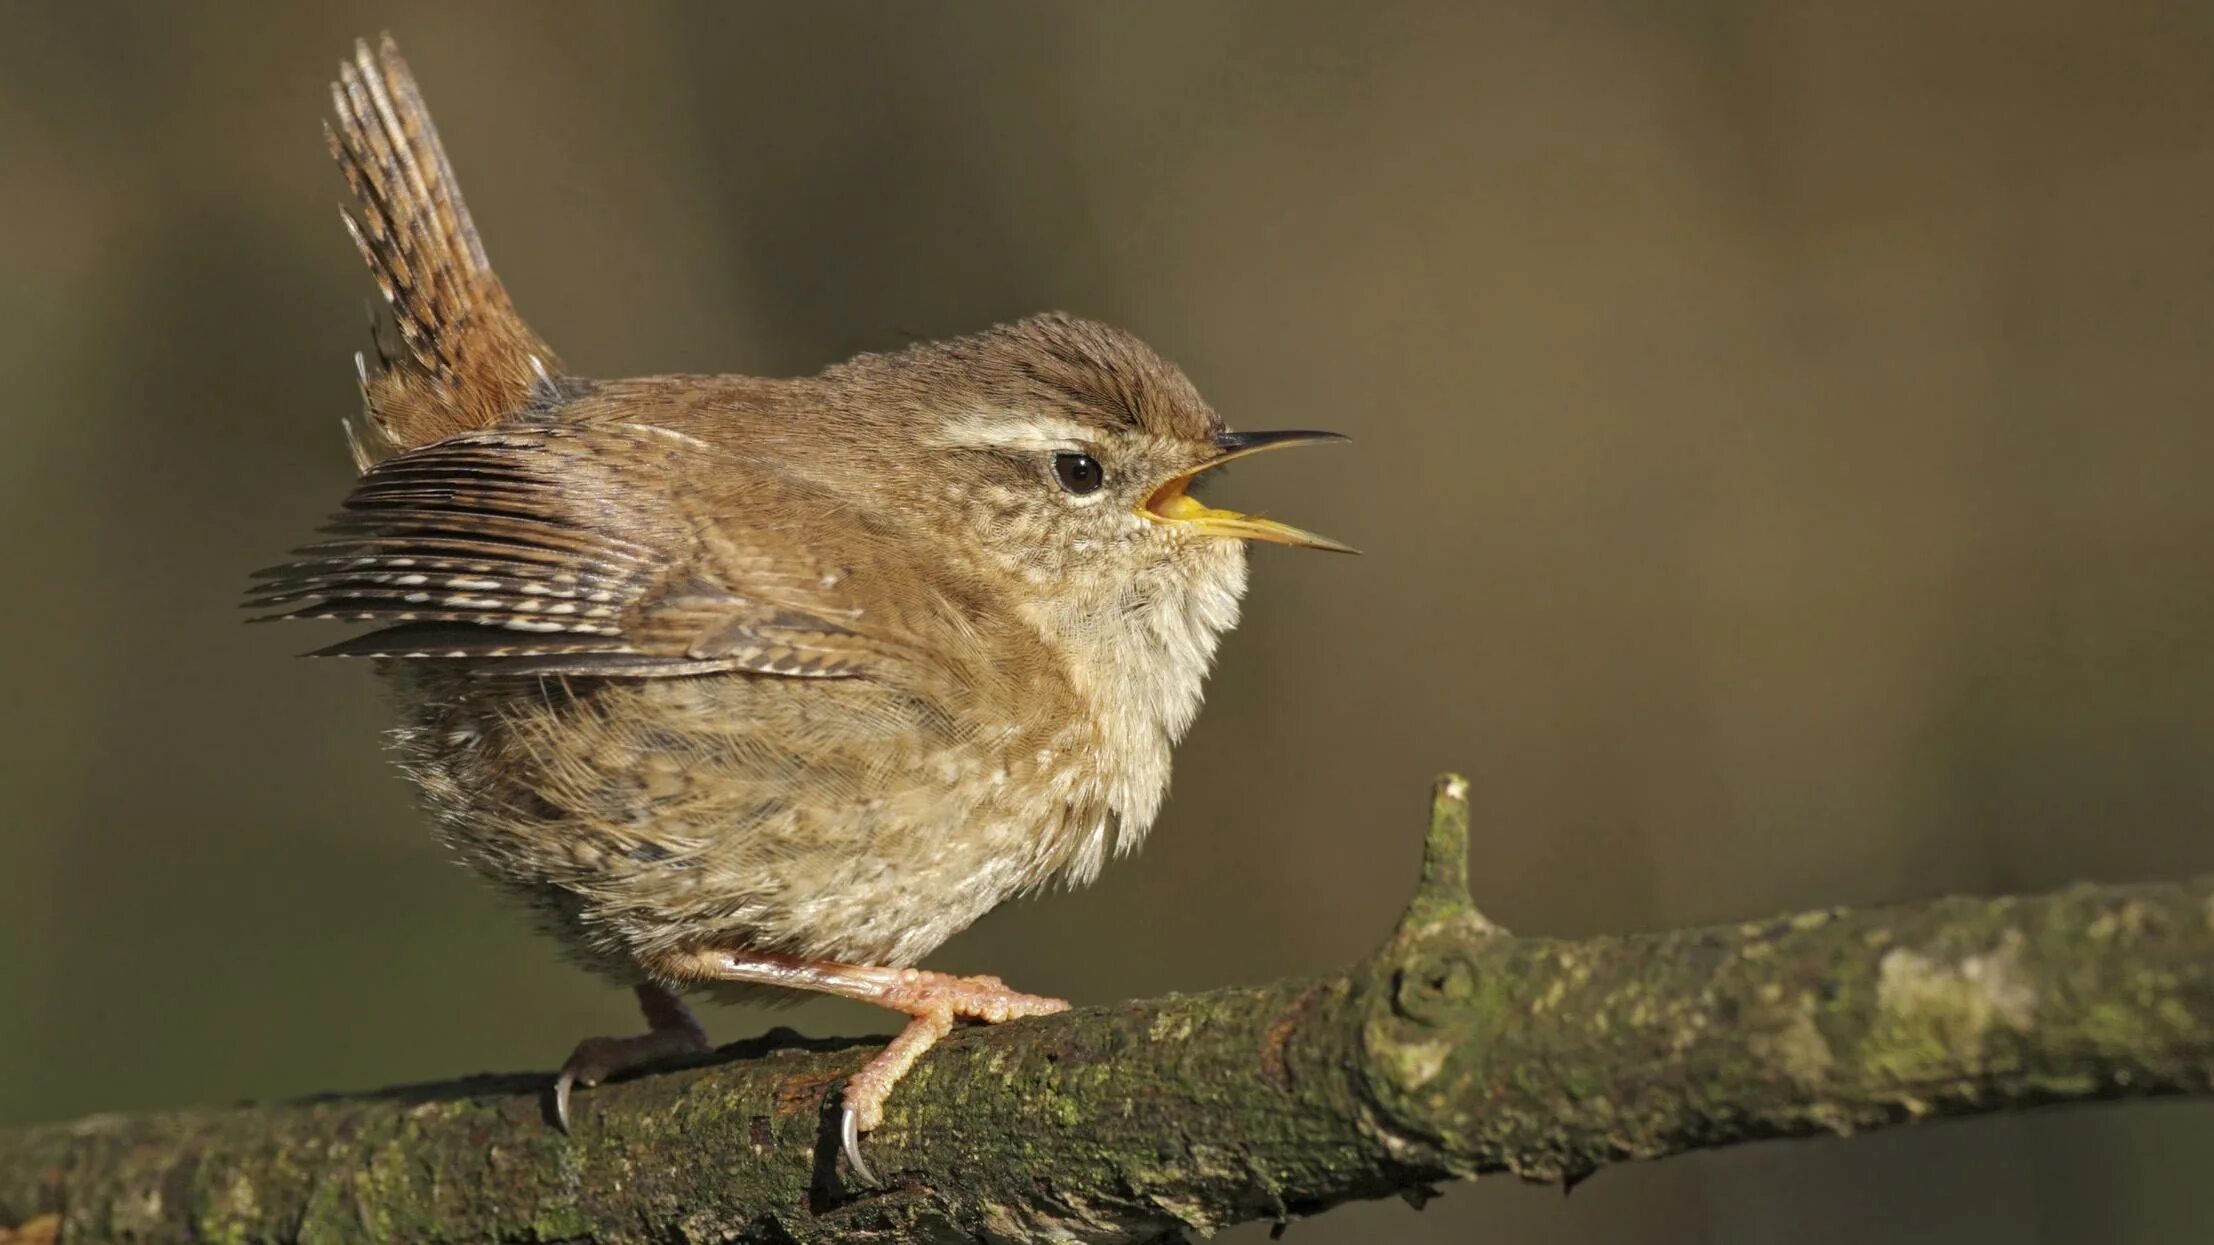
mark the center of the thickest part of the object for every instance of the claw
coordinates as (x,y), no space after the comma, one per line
(849,1140)
(671,1030)
(562,1084)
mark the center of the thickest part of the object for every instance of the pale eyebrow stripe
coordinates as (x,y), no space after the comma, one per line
(1003,429)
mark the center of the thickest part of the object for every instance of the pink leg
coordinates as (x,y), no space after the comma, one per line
(934,1000)
(670,1030)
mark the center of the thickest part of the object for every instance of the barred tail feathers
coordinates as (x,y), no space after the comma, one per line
(467,359)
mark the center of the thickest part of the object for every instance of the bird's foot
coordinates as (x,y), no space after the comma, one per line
(671,1030)
(934,1001)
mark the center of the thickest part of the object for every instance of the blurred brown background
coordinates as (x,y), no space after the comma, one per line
(1782,436)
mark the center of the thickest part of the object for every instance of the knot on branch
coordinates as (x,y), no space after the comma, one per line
(1433,987)
(1433,991)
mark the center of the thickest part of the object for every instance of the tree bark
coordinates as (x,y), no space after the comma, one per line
(1457,1049)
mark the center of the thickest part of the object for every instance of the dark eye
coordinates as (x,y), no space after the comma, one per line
(1078,473)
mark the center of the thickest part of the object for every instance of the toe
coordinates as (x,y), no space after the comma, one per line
(1024,1005)
(586,1066)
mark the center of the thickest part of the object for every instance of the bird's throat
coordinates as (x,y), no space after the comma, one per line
(1140,662)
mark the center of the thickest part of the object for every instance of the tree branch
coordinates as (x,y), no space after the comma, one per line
(1457,1049)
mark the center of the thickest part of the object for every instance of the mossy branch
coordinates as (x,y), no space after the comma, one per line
(1457,1049)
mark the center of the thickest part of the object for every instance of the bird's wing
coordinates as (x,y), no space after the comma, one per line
(580,549)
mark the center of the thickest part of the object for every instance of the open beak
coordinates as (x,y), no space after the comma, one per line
(1173,502)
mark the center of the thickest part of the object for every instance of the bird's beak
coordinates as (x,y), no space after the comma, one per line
(1173,503)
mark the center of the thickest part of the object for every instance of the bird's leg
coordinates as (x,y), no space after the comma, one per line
(670,1030)
(932,1000)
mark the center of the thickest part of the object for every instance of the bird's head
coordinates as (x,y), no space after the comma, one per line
(1066,453)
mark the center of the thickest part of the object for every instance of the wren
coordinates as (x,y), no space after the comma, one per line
(753,686)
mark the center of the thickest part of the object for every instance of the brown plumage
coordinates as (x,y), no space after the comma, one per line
(750,683)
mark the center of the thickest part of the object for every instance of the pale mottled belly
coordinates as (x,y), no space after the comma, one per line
(827,820)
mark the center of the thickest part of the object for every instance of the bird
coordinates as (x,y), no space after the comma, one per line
(763,687)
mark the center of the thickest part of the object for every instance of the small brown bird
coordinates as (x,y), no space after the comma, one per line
(750,683)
